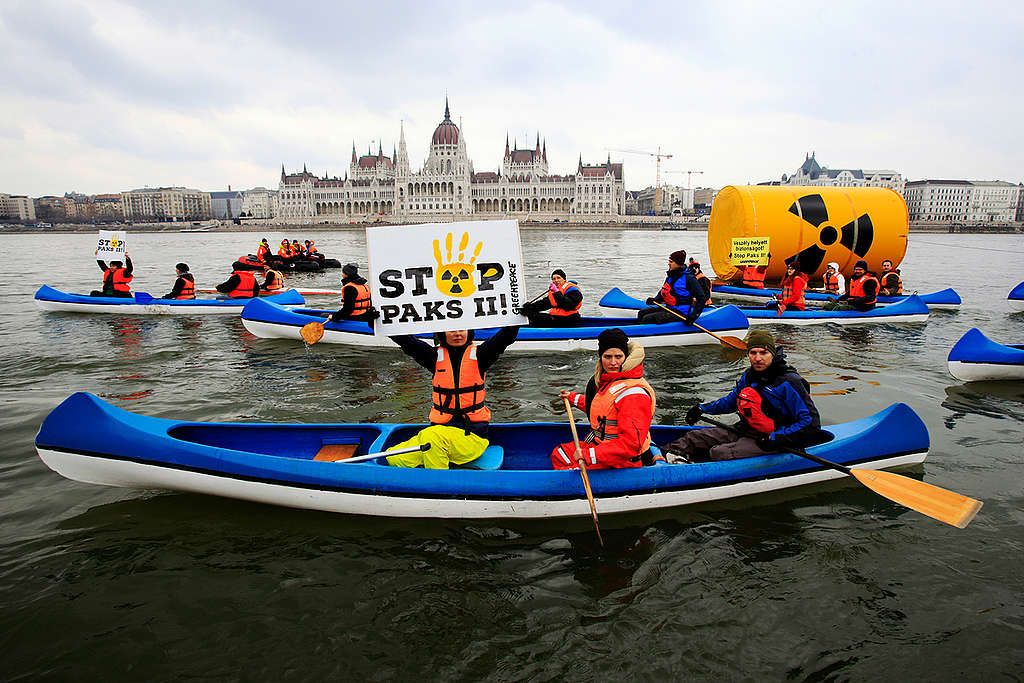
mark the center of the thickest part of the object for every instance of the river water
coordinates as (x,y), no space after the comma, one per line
(822,583)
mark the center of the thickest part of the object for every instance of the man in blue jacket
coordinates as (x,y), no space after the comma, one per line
(681,292)
(774,405)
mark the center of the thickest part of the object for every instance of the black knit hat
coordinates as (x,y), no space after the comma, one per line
(183,267)
(762,339)
(612,339)
(350,269)
(679,257)
(559,272)
(861,264)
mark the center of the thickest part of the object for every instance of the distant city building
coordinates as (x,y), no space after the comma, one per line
(448,188)
(226,205)
(18,207)
(259,202)
(672,197)
(632,206)
(98,207)
(166,204)
(1020,203)
(703,197)
(810,173)
(51,208)
(978,201)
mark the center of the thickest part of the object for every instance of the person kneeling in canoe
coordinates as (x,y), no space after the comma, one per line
(458,416)
(241,285)
(563,304)
(355,297)
(794,284)
(184,285)
(620,404)
(116,279)
(774,405)
(681,293)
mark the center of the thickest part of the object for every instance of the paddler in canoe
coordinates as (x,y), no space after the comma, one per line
(241,285)
(702,279)
(832,280)
(263,251)
(459,416)
(116,279)
(184,284)
(681,293)
(794,284)
(562,303)
(863,292)
(355,297)
(619,403)
(273,281)
(890,282)
(774,406)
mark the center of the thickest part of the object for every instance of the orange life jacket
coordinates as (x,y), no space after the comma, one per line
(246,288)
(604,424)
(117,279)
(284,251)
(703,280)
(311,249)
(753,276)
(465,398)
(362,303)
(296,250)
(188,289)
(277,283)
(887,277)
(566,286)
(831,282)
(787,292)
(857,286)
(748,405)
(262,252)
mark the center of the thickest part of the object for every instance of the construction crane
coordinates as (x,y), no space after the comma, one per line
(688,175)
(657,182)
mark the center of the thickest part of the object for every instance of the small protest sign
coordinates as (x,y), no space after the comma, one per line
(111,245)
(749,251)
(445,276)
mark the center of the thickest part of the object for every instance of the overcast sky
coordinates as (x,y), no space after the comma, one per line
(106,96)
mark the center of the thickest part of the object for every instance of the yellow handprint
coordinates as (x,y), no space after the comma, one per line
(455,278)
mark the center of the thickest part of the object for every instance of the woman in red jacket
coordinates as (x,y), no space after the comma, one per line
(794,284)
(620,404)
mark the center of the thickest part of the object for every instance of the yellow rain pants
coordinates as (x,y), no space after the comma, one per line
(447,445)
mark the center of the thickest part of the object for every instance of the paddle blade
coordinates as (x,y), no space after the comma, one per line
(945,506)
(312,332)
(733,342)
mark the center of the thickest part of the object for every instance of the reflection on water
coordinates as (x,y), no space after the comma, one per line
(999,400)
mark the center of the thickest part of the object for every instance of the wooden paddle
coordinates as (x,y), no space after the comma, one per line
(583,469)
(728,340)
(312,332)
(945,506)
(398,451)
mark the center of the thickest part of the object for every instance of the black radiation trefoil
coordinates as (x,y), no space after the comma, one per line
(857,235)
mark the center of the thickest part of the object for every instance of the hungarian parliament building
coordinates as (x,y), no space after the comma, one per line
(448,188)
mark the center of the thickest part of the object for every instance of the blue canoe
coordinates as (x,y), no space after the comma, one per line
(50,299)
(270,321)
(1016,297)
(88,440)
(977,358)
(944,298)
(910,310)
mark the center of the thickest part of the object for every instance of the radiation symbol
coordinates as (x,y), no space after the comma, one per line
(455,278)
(857,235)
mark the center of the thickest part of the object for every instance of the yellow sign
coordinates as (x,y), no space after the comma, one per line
(454,278)
(749,251)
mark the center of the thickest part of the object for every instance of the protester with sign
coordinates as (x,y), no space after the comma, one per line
(620,404)
(116,279)
(564,301)
(184,285)
(241,285)
(459,416)
(681,292)
(355,297)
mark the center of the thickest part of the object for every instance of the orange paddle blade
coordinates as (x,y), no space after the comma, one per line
(312,332)
(945,506)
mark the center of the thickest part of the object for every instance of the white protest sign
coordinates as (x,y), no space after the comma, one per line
(445,276)
(111,245)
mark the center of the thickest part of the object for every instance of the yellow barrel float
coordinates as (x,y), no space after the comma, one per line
(815,225)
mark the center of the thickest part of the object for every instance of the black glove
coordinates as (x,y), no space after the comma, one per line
(373,314)
(690,319)
(765,444)
(528,308)
(693,414)
(651,301)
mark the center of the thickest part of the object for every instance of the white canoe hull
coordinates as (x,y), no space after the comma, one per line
(982,372)
(139,309)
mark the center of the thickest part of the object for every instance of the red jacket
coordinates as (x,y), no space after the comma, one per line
(793,291)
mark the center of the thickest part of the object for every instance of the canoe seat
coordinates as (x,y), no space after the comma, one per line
(332,452)
(491,459)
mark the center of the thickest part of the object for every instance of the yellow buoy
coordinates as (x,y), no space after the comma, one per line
(815,225)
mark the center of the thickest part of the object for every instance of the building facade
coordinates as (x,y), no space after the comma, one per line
(446,187)
(18,207)
(962,201)
(259,202)
(166,204)
(226,205)
(811,173)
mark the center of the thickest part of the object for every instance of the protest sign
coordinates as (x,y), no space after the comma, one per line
(749,251)
(111,245)
(445,276)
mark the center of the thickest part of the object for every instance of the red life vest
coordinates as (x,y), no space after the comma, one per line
(604,423)
(362,302)
(117,279)
(668,292)
(831,282)
(753,276)
(857,286)
(748,405)
(188,287)
(703,279)
(246,288)
(277,283)
(787,292)
(887,278)
(465,398)
(566,286)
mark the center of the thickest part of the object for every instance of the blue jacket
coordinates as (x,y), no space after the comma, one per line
(785,398)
